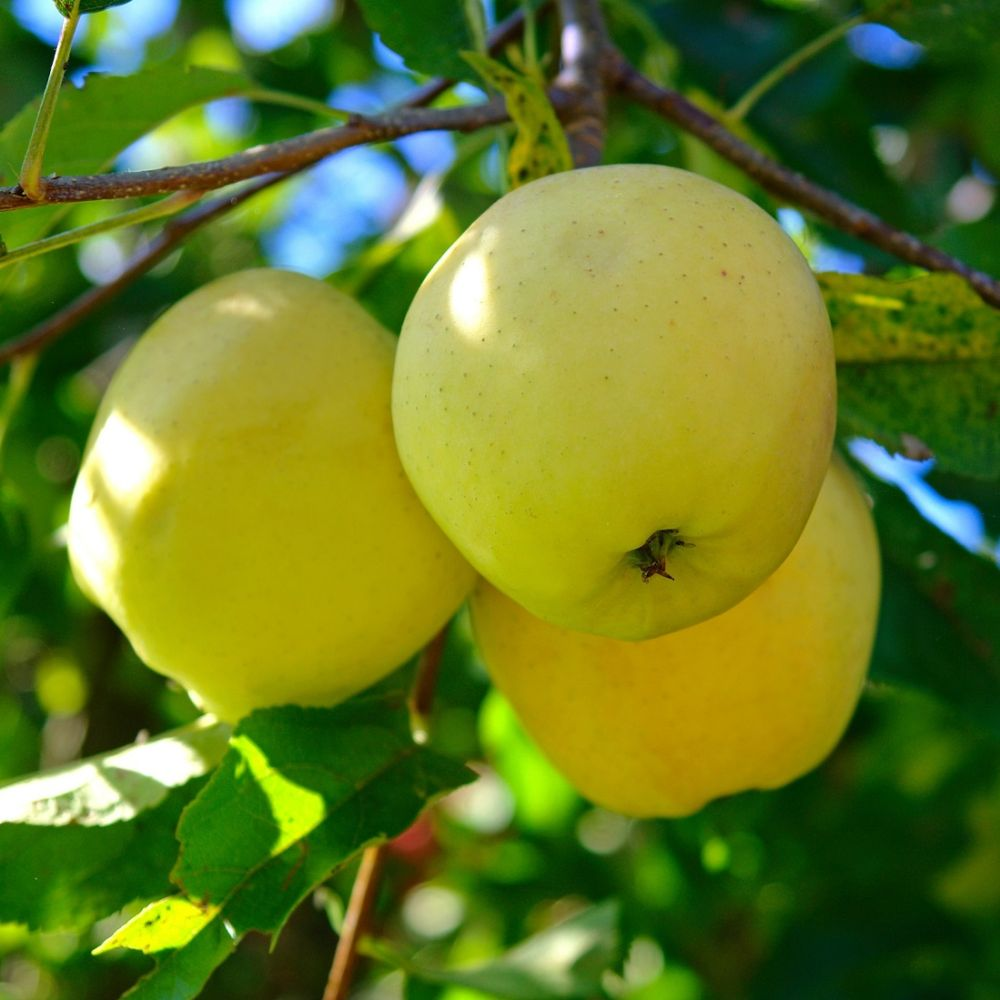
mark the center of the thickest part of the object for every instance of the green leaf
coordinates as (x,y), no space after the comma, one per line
(65,7)
(300,791)
(567,961)
(918,368)
(428,35)
(939,630)
(82,841)
(350,774)
(540,147)
(66,877)
(96,122)
(115,787)
(950,413)
(951,28)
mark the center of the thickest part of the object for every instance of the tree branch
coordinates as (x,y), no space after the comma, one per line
(172,234)
(785,183)
(583,43)
(286,155)
(277,157)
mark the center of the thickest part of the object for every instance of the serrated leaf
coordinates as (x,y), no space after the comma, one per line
(540,146)
(950,28)
(115,787)
(919,368)
(428,35)
(94,123)
(563,962)
(340,777)
(66,877)
(939,630)
(299,793)
(65,7)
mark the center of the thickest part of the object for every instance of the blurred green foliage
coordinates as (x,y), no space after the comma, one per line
(877,876)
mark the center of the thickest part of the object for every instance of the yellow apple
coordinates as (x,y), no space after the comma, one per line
(241,511)
(750,699)
(616,394)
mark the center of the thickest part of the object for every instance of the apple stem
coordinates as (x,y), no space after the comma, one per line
(651,557)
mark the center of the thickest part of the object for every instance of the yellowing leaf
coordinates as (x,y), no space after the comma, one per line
(935,318)
(540,147)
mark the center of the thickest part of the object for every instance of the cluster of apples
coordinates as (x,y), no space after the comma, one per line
(614,402)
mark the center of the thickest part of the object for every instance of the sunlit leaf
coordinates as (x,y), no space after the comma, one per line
(350,773)
(162,926)
(300,792)
(66,877)
(115,787)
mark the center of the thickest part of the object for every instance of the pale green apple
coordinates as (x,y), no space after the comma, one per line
(241,511)
(616,395)
(750,699)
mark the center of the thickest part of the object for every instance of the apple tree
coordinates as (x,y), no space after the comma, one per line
(413,841)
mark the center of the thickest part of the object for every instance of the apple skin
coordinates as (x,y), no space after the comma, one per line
(606,354)
(750,699)
(241,511)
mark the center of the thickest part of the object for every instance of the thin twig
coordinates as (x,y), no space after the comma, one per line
(356,920)
(583,42)
(172,234)
(31,168)
(793,187)
(788,66)
(146,213)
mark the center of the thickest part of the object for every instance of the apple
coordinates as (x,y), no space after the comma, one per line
(615,393)
(241,511)
(750,699)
